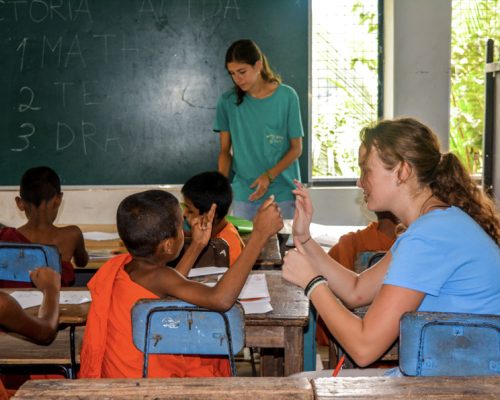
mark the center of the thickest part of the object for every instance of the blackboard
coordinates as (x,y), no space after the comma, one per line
(111,92)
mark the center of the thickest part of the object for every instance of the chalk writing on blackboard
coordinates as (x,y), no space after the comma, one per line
(124,91)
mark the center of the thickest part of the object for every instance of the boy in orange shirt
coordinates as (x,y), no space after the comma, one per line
(203,190)
(150,225)
(39,198)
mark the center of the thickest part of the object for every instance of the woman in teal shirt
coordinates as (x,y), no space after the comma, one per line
(259,120)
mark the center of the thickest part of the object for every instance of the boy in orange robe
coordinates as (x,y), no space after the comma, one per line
(150,226)
(41,329)
(205,189)
(40,198)
(377,236)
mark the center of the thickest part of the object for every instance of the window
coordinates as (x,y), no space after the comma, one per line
(346,83)
(473,22)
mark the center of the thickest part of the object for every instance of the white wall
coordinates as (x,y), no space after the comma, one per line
(418,51)
(418,36)
(338,206)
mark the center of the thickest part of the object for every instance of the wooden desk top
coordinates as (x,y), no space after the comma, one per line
(170,388)
(269,256)
(75,314)
(290,305)
(408,388)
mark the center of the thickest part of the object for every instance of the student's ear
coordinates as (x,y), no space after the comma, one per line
(404,171)
(58,199)
(170,246)
(20,204)
(258,65)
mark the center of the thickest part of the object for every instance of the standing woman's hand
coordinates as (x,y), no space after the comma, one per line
(261,184)
(303,213)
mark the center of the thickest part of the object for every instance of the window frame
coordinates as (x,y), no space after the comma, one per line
(346,182)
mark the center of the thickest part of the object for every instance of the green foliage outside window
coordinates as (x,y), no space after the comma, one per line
(473,22)
(344,83)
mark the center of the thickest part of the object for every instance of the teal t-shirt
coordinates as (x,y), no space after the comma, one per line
(260,131)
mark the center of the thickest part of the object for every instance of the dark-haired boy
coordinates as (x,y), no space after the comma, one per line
(39,198)
(203,190)
(150,225)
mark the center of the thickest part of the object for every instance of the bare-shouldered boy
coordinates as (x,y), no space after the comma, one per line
(41,329)
(39,198)
(150,225)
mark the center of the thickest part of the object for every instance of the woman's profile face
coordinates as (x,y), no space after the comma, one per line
(244,75)
(378,182)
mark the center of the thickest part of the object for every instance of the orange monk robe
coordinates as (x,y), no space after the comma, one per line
(351,244)
(346,251)
(108,350)
(232,237)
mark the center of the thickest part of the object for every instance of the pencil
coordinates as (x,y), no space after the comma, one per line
(339,366)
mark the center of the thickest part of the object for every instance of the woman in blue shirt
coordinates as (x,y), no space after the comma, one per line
(447,260)
(260,132)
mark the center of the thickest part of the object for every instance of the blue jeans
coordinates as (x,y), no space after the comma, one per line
(247,209)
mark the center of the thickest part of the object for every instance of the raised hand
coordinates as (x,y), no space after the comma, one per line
(268,219)
(303,213)
(201,226)
(296,267)
(45,278)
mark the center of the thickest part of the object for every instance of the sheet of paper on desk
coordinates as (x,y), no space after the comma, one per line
(75,297)
(101,235)
(204,271)
(255,287)
(32,298)
(327,235)
(258,306)
(254,296)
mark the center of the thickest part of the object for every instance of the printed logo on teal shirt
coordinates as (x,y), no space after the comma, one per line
(274,139)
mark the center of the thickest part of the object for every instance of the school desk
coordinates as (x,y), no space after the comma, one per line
(283,328)
(408,388)
(171,388)
(362,388)
(269,257)
(15,351)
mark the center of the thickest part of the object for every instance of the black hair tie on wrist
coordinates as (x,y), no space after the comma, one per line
(312,283)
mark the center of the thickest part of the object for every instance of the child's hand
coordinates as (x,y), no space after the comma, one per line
(45,278)
(268,219)
(303,213)
(296,267)
(201,227)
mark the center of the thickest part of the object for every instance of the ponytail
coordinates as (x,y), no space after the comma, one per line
(453,185)
(406,139)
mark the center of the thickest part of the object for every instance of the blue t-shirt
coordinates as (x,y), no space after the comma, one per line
(449,257)
(260,131)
